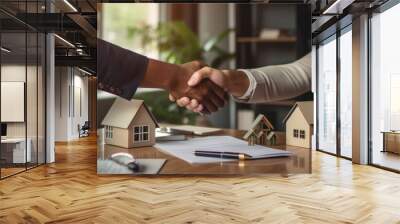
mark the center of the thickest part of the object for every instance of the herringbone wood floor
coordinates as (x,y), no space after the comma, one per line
(69,191)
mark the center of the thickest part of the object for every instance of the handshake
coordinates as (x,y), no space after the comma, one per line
(202,89)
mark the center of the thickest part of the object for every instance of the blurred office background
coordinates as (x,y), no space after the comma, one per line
(223,35)
(48,84)
(49,47)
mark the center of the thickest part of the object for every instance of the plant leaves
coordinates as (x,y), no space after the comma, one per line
(178,44)
(214,41)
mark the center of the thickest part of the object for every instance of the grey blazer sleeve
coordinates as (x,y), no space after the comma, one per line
(119,71)
(278,82)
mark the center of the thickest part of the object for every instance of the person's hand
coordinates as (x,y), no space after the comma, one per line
(234,82)
(204,92)
(216,76)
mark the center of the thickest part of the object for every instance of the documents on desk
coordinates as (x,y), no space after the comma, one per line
(196,130)
(164,136)
(185,149)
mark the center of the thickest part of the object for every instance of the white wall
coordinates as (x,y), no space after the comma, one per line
(61,103)
(17,73)
(12,73)
(70,83)
(82,82)
(214,19)
(80,93)
(33,126)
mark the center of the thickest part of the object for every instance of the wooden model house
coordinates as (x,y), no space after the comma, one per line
(299,124)
(129,124)
(261,132)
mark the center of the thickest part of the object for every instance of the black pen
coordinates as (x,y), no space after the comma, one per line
(224,155)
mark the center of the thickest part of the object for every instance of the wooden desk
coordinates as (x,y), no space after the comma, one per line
(300,162)
(391,141)
(14,152)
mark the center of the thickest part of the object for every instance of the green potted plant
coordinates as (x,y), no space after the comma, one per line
(178,44)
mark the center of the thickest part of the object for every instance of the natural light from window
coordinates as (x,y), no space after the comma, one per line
(385,80)
(327,97)
(119,19)
(346,94)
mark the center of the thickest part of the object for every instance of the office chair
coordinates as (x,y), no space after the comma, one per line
(84,130)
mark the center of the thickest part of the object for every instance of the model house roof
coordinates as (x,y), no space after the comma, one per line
(306,108)
(122,112)
(260,118)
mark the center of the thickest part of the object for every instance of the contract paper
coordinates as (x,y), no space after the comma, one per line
(185,149)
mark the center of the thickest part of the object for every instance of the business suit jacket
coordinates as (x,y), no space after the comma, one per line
(119,71)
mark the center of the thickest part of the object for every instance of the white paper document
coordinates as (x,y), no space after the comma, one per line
(197,130)
(185,149)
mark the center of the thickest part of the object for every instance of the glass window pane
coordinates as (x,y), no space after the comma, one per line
(346,94)
(41,98)
(31,100)
(14,153)
(327,96)
(22,62)
(385,89)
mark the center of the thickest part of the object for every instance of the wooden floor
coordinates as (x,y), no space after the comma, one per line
(69,191)
(386,159)
(5,172)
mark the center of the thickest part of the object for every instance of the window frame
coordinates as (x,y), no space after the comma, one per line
(302,134)
(378,10)
(295,133)
(38,46)
(340,22)
(343,31)
(334,36)
(140,133)
(109,132)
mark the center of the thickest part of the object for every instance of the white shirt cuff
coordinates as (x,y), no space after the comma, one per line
(252,84)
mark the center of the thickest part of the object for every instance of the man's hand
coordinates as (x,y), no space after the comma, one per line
(216,76)
(232,81)
(203,92)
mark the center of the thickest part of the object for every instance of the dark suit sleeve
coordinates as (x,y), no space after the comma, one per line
(119,70)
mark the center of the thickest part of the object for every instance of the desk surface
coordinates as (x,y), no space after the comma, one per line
(13,140)
(391,132)
(300,162)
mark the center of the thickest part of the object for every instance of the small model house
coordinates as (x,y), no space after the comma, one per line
(261,132)
(299,124)
(129,124)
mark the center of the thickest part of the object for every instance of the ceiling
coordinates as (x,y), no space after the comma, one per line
(74,22)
